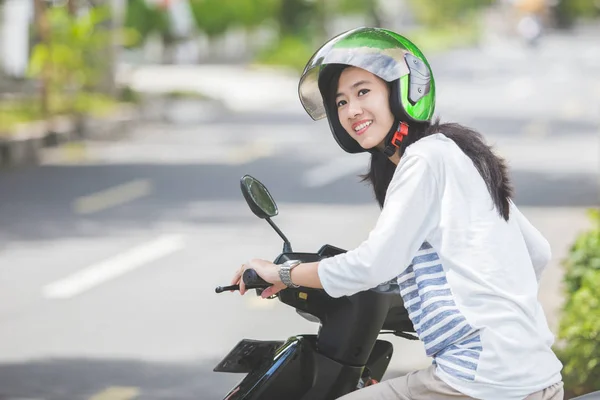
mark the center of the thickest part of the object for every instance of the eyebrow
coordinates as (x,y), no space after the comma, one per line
(353,86)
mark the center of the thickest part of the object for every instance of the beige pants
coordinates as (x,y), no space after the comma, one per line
(425,385)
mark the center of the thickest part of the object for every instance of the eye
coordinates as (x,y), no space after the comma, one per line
(340,103)
(362,92)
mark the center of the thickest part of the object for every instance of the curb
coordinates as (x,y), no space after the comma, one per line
(24,146)
(161,108)
(112,127)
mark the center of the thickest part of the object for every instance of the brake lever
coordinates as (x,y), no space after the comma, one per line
(221,289)
(252,280)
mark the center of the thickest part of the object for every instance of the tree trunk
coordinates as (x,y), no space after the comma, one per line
(115,24)
(72,7)
(43,32)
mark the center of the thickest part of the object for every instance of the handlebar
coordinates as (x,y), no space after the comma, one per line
(251,279)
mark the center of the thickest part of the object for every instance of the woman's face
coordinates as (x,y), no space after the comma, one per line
(362,102)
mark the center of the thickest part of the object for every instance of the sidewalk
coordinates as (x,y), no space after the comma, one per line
(499,78)
(240,88)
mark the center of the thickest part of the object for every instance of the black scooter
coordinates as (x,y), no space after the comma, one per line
(343,357)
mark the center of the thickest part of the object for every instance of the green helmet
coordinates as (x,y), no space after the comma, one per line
(385,54)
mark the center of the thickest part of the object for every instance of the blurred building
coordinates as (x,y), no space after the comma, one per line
(15,19)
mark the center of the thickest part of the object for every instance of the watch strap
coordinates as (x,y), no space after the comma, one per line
(285,272)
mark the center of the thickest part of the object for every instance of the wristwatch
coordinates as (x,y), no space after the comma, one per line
(285,272)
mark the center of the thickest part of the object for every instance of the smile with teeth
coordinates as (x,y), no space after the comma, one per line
(362,126)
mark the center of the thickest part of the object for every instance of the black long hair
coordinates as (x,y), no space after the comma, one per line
(492,168)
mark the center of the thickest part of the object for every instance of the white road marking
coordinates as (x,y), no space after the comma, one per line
(255,150)
(117,393)
(536,128)
(114,196)
(572,109)
(113,267)
(337,168)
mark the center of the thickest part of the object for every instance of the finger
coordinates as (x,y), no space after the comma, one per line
(271,290)
(237,275)
(242,284)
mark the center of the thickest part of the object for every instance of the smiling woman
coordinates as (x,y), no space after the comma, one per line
(362,102)
(466,261)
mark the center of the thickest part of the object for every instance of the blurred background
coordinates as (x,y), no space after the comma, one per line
(125,126)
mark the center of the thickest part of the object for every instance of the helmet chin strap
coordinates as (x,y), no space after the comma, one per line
(393,139)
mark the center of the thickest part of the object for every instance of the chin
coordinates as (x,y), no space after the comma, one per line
(368,144)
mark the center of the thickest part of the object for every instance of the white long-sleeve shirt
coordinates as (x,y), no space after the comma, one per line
(468,278)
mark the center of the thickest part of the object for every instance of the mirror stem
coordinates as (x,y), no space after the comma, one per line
(287,247)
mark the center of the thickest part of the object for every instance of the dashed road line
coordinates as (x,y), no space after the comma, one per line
(255,150)
(114,196)
(117,393)
(338,168)
(113,267)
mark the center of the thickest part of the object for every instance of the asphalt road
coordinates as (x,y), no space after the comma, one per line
(110,251)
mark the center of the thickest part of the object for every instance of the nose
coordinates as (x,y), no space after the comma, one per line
(354,109)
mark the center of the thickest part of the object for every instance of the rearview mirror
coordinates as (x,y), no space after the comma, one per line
(258,197)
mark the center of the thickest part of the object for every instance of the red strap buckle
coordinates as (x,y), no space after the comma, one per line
(400,133)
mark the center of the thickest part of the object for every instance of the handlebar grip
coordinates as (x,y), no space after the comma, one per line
(253,281)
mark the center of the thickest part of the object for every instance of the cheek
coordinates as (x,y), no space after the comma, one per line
(385,113)
(343,120)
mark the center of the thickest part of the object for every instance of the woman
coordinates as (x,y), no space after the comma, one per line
(466,260)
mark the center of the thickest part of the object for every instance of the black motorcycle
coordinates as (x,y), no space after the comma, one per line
(344,356)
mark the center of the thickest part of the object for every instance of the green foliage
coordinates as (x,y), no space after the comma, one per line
(298,17)
(290,51)
(580,324)
(74,59)
(74,52)
(15,112)
(145,20)
(584,255)
(186,94)
(129,95)
(95,104)
(443,37)
(355,6)
(435,13)
(573,9)
(214,17)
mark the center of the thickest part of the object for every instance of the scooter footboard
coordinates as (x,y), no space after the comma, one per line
(297,372)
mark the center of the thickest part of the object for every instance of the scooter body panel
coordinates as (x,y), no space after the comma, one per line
(298,372)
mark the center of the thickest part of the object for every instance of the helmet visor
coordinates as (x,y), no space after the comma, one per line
(381,55)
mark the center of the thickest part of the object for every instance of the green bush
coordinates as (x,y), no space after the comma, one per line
(574,9)
(215,17)
(16,112)
(584,255)
(73,62)
(145,20)
(441,38)
(290,51)
(580,323)
(439,13)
